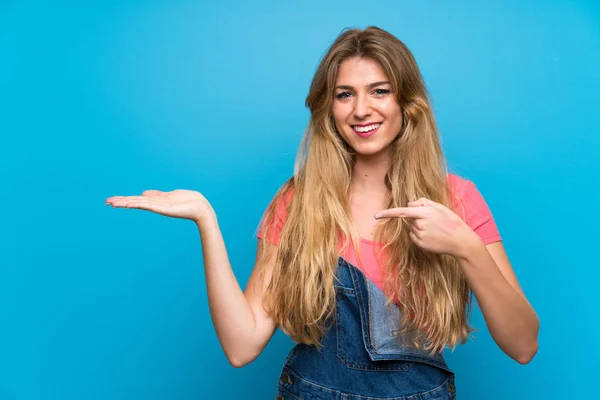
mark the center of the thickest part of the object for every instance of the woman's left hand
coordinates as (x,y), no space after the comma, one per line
(434,227)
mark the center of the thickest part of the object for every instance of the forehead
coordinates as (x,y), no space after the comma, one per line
(358,71)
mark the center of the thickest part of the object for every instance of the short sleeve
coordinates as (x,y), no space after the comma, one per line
(474,210)
(479,216)
(273,232)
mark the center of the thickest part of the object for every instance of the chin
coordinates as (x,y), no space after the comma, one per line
(368,151)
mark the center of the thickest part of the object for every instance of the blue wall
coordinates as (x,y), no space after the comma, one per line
(115,97)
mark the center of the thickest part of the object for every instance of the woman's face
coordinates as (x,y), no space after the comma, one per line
(366,112)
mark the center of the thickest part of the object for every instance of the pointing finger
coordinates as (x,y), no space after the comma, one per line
(402,212)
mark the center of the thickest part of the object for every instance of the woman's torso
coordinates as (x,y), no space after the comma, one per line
(361,355)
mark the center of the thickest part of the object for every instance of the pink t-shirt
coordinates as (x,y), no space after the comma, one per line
(468,203)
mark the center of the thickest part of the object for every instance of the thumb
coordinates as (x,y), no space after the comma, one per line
(152,193)
(423,201)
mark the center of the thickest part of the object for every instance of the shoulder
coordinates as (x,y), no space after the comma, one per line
(462,190)
(459,185)
(282,200)
(466,198)
(285,194)
(275,216)
(470,205)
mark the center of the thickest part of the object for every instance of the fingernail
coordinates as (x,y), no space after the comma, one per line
(377,216)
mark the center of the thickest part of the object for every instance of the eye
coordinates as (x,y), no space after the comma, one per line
(381,92)
(343,95)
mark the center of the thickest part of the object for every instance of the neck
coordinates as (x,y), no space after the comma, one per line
(368,173)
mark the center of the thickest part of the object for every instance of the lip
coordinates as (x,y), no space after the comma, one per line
(366,134)
(367,124)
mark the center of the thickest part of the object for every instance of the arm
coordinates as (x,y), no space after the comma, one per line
(241,323)
(512,322)
(510,318)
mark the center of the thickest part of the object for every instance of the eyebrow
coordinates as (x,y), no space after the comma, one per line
(370,86)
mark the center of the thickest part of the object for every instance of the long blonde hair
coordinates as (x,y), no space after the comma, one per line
(431,288)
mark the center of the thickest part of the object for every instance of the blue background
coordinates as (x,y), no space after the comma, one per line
(115,97)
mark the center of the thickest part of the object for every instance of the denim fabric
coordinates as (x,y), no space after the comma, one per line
(361,356)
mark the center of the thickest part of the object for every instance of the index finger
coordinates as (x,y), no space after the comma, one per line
(402,212)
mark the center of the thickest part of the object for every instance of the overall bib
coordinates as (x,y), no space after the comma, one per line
(361,358)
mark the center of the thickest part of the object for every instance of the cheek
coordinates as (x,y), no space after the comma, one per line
(395,114)
(339,116)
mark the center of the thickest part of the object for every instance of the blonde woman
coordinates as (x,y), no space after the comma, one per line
(368,256)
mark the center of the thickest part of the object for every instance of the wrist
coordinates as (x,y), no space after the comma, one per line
(206,221)
(469,245)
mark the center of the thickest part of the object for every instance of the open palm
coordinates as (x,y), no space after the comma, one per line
(186,204)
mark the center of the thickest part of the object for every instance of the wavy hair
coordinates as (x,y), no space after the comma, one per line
(431,289)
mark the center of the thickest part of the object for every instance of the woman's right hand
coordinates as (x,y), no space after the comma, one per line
(185,204)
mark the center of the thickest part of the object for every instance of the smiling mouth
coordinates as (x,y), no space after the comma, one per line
(366,130)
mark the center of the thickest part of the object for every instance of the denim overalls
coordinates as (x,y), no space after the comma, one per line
(361,358)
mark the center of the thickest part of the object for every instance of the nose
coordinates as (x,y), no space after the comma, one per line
(362,107)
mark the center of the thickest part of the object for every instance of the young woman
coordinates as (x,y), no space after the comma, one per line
(368,256)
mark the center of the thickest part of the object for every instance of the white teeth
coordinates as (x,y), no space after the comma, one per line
(366,128)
